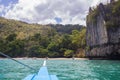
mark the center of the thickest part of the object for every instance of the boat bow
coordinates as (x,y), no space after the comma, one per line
(42,74)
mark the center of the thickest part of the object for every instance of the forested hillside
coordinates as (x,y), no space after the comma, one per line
(20,39)
(65,28)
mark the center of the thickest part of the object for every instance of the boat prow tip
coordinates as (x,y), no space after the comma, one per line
(44,64)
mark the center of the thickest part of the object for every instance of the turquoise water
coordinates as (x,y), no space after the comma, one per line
(64,69)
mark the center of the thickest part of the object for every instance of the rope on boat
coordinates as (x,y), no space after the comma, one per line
(17,61)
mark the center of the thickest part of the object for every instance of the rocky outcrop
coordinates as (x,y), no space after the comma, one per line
(103,41)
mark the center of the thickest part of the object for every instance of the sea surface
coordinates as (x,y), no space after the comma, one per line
(64,69)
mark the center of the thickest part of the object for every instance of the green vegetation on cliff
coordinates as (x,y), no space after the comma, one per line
(110,13)
(114,16)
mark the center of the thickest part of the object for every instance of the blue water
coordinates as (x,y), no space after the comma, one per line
(64,69)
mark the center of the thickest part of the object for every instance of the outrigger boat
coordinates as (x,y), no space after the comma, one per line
(42,74)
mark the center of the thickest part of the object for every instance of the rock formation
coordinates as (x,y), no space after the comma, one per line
(103,32)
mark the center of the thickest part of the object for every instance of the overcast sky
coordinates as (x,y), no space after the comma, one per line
(47,11)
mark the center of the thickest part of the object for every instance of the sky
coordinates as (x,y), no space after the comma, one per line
(48,11)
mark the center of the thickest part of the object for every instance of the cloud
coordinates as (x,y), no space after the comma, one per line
(4,9)
(1,9)
(46,11)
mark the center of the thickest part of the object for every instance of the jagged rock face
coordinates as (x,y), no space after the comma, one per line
(96,32)
(114,35)
(101,40)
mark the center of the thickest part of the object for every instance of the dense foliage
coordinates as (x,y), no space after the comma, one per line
(19,39)
(110,12)
(114,16)
(65,28)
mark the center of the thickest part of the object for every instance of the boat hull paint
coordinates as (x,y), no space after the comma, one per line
(42,75)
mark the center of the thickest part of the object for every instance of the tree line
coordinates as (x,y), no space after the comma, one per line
(54,45)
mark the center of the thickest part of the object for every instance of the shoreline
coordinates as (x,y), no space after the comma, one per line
(34,58)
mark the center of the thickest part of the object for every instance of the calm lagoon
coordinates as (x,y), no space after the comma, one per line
(64,69)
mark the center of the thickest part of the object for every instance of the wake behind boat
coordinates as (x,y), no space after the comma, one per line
(42,74)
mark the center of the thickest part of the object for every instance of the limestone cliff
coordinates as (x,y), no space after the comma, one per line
(103,31)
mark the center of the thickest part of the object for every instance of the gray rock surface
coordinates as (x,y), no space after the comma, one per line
(101,40)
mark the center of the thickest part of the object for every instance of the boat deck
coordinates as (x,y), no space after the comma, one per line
(41,75)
